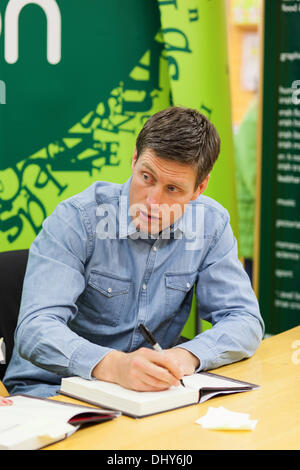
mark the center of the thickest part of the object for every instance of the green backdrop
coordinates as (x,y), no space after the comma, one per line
(86,77)
(279,255)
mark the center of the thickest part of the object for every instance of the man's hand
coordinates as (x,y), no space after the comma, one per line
(141,370)
(146,369)
(188,362)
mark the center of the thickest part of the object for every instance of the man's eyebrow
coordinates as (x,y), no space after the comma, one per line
(149,168)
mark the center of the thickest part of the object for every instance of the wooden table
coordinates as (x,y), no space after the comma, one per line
(276,405)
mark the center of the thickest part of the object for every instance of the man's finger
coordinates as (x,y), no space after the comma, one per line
(150,383)
(160,375)
(167,362)
(159,366)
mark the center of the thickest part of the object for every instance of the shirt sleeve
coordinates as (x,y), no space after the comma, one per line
(54,279)
(226,300)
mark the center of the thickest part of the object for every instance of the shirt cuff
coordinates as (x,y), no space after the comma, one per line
(206,355)
(85,358)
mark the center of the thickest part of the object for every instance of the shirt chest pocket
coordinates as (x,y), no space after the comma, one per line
(107,297)
(179,291)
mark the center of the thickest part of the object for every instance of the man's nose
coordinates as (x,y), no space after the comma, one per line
(154,196)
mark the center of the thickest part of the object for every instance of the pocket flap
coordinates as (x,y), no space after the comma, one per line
(180,281)
(109,285)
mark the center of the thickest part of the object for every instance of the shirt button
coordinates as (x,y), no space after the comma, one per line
(109,290)
(188,285)
(154,248)
(144,286)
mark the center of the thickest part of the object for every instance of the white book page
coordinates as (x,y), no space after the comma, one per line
(121,392)
(25,409)
(29,412)
(198,381)
(28,418)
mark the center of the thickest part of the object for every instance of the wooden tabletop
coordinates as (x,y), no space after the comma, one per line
(276,405)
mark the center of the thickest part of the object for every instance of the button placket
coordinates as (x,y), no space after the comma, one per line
(142,306)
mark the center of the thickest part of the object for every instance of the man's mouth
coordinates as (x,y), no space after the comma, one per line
(148,217)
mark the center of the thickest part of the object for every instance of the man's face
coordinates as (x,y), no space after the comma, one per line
(160,191)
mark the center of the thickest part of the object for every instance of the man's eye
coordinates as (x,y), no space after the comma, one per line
(146,177)
(172,189)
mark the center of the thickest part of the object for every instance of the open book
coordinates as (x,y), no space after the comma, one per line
(197,388)
(31,423)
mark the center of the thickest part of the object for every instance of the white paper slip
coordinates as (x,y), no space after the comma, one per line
(226,420)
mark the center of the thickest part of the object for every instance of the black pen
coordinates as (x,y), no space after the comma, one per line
(151,340)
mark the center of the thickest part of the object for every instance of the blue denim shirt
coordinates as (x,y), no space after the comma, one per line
(91,279)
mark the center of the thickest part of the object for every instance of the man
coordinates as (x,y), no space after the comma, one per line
(116,256)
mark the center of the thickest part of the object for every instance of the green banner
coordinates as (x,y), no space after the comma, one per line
(278,247)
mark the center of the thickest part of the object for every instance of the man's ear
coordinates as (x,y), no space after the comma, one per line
(201,188)
(134,159)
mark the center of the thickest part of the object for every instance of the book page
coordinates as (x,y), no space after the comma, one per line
(128,401)
(26,414)
(37,430)
(27,418)
(198,381)
(121,392)
(25,408)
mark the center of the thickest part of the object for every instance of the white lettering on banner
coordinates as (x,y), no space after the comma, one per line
(11,22)
(2,92)
(296,92)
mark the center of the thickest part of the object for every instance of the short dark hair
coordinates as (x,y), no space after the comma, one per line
(184,135)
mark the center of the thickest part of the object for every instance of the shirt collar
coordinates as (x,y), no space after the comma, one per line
(126,226)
